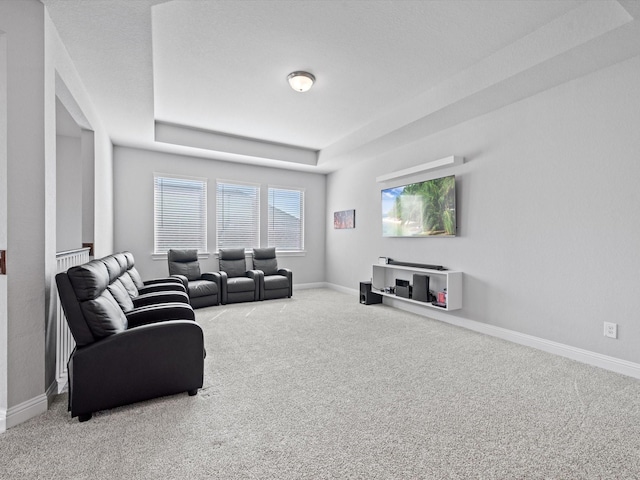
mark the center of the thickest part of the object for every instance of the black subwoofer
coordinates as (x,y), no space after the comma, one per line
(367,297)
(421,287)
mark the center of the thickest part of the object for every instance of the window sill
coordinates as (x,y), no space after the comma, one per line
(163,256)
(291,253)
(287,253)
(248,254)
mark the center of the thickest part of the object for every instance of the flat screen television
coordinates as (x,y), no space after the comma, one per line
(424,209)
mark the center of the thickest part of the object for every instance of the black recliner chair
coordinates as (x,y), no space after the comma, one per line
(276,282)
(203,288)
(237,283)
(125,357)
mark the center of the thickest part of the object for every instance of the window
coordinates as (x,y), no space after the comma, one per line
(286,219)
(238,215)
(180,213)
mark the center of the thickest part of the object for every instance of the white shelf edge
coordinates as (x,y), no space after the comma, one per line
(409,300)
(442,162)
(404,267)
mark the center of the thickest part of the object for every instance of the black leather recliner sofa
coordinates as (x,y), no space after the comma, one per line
(125,352)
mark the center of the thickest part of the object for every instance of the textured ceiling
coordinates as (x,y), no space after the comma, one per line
(208,78)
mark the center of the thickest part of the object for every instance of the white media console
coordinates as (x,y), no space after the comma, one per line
(385,275)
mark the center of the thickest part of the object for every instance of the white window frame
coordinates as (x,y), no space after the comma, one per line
(222,217)
(271,240)
(199,211)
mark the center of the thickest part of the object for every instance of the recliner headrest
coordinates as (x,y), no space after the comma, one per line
(183,255)
(130,260)
(232,261)
(135,277)
(114,267)
(89,280)
(122,260)
(264,253)
(231,253)
(264,259)
(184,262)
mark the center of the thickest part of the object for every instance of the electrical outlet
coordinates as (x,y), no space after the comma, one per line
(610,330)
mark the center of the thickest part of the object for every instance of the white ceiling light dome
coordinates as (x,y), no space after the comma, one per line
(301,81)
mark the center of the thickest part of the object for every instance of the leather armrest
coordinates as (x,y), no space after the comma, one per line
(212,277)
(138,336)
(216,278)
(161,287)
(142,342)
(285,271)
(258,280)
(159,313)
(183,280)
(255,274)
(162,280)
(223,286)
(289,274)
(155,298)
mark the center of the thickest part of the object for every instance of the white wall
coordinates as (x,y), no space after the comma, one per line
(96,146)
(26,227)
(133,207)
(32,54)
(103,198)
(68,194)
(3,229)
(87,158)
(547,213)
(59,68)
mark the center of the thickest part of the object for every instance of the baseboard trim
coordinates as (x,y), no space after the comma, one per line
(348,291)
(595,359)
(308,286)
(588,357)
(54,389)
(26,410)
(3,420)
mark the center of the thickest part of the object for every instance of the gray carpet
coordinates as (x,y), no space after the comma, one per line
(321,387)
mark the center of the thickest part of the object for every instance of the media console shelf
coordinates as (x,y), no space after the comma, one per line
(385,275)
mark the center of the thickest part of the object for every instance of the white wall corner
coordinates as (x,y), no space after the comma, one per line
(57,386)
(25,411)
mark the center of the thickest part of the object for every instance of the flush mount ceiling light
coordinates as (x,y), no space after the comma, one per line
(301,81)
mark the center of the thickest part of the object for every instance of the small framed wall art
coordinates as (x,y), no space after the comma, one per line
(344,219)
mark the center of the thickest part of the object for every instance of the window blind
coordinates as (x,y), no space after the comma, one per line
(180,213)
(286,219)
(238,215)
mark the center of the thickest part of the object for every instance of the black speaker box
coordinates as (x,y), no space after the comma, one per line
(404,291)
(367,297)
(421,287)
